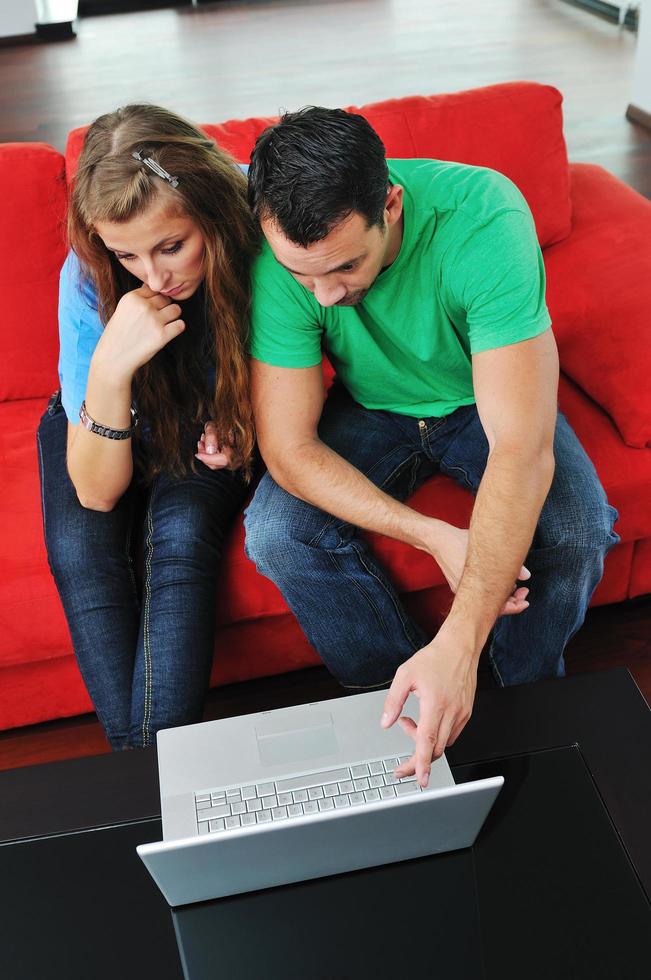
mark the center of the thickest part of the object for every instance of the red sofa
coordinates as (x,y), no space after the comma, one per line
(596,236)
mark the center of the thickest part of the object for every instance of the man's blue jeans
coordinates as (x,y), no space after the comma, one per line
(343,598)
(145,653)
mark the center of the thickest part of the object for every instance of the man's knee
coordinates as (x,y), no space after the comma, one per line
(599,534)
(576,513)
(279,525)
(269,532)
(590,529)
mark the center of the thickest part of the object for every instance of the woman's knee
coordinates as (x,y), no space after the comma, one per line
(75,551)
(81,542)
(184,546)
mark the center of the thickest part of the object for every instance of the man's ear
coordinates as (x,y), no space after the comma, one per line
(393,204)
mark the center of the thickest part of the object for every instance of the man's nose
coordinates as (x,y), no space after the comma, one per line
(328,293)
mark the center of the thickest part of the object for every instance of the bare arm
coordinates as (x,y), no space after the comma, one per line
(287,404)
(516,390)
(101,468)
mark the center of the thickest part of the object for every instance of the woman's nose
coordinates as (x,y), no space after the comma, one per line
(156,277)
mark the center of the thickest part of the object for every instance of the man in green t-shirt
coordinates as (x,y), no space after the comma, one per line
(424,284)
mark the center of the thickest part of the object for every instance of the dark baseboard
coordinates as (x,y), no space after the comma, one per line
(56,23)
(609,11)
(16,39)
(637,115)
(55,32)
(93,8)
(42,33)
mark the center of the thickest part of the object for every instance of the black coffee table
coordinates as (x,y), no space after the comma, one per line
(557,886)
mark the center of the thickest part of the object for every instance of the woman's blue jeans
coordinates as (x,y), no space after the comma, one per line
(144,651)
(342,597)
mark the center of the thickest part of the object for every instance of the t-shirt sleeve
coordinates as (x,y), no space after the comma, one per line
(497,276)
(80,328)
(286,329)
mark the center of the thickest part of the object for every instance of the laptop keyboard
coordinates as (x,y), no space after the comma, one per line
(231,807)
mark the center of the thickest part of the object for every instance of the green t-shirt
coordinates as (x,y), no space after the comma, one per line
(469,277)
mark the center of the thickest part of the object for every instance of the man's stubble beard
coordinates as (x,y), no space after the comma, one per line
(355,298)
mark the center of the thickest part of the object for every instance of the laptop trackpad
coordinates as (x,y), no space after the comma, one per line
(282,742)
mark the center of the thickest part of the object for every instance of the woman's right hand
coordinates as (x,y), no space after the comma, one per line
(143,323)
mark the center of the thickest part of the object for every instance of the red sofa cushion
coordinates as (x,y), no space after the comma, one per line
(640,578)
(599,297)
(32,250)
(516,128)
(32,624)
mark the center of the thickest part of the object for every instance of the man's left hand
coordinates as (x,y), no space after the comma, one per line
(443,676)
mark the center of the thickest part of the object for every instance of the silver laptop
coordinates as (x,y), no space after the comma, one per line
(296,793)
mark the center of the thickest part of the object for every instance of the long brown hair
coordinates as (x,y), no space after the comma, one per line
(172,390)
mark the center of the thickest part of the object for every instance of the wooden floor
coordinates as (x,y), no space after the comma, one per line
(236,59)
(231,60)
(612,636)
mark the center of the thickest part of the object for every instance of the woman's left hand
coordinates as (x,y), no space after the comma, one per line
(209,452)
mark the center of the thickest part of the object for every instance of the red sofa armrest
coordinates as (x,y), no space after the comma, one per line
(599,297)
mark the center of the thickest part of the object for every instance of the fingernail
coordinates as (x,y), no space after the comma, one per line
(211,449)
(385,719)
(425,780)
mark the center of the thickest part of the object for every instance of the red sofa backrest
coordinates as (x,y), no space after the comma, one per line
(516,128)
(32,250)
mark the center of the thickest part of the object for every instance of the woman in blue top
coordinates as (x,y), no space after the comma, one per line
(150,439)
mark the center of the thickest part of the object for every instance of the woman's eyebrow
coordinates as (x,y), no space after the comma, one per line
(126,251)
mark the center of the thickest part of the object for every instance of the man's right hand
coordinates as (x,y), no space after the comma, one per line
(448,545)
(143,323)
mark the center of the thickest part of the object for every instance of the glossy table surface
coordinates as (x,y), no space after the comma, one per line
(557,885)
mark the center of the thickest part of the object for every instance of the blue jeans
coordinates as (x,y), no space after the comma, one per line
(145,653)
(342,597)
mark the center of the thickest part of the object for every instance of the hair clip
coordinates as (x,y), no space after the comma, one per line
(157,169)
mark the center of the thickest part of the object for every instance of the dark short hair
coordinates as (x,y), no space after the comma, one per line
(314,168)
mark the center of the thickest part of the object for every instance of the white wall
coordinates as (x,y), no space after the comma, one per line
(641,94)
(17,17)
